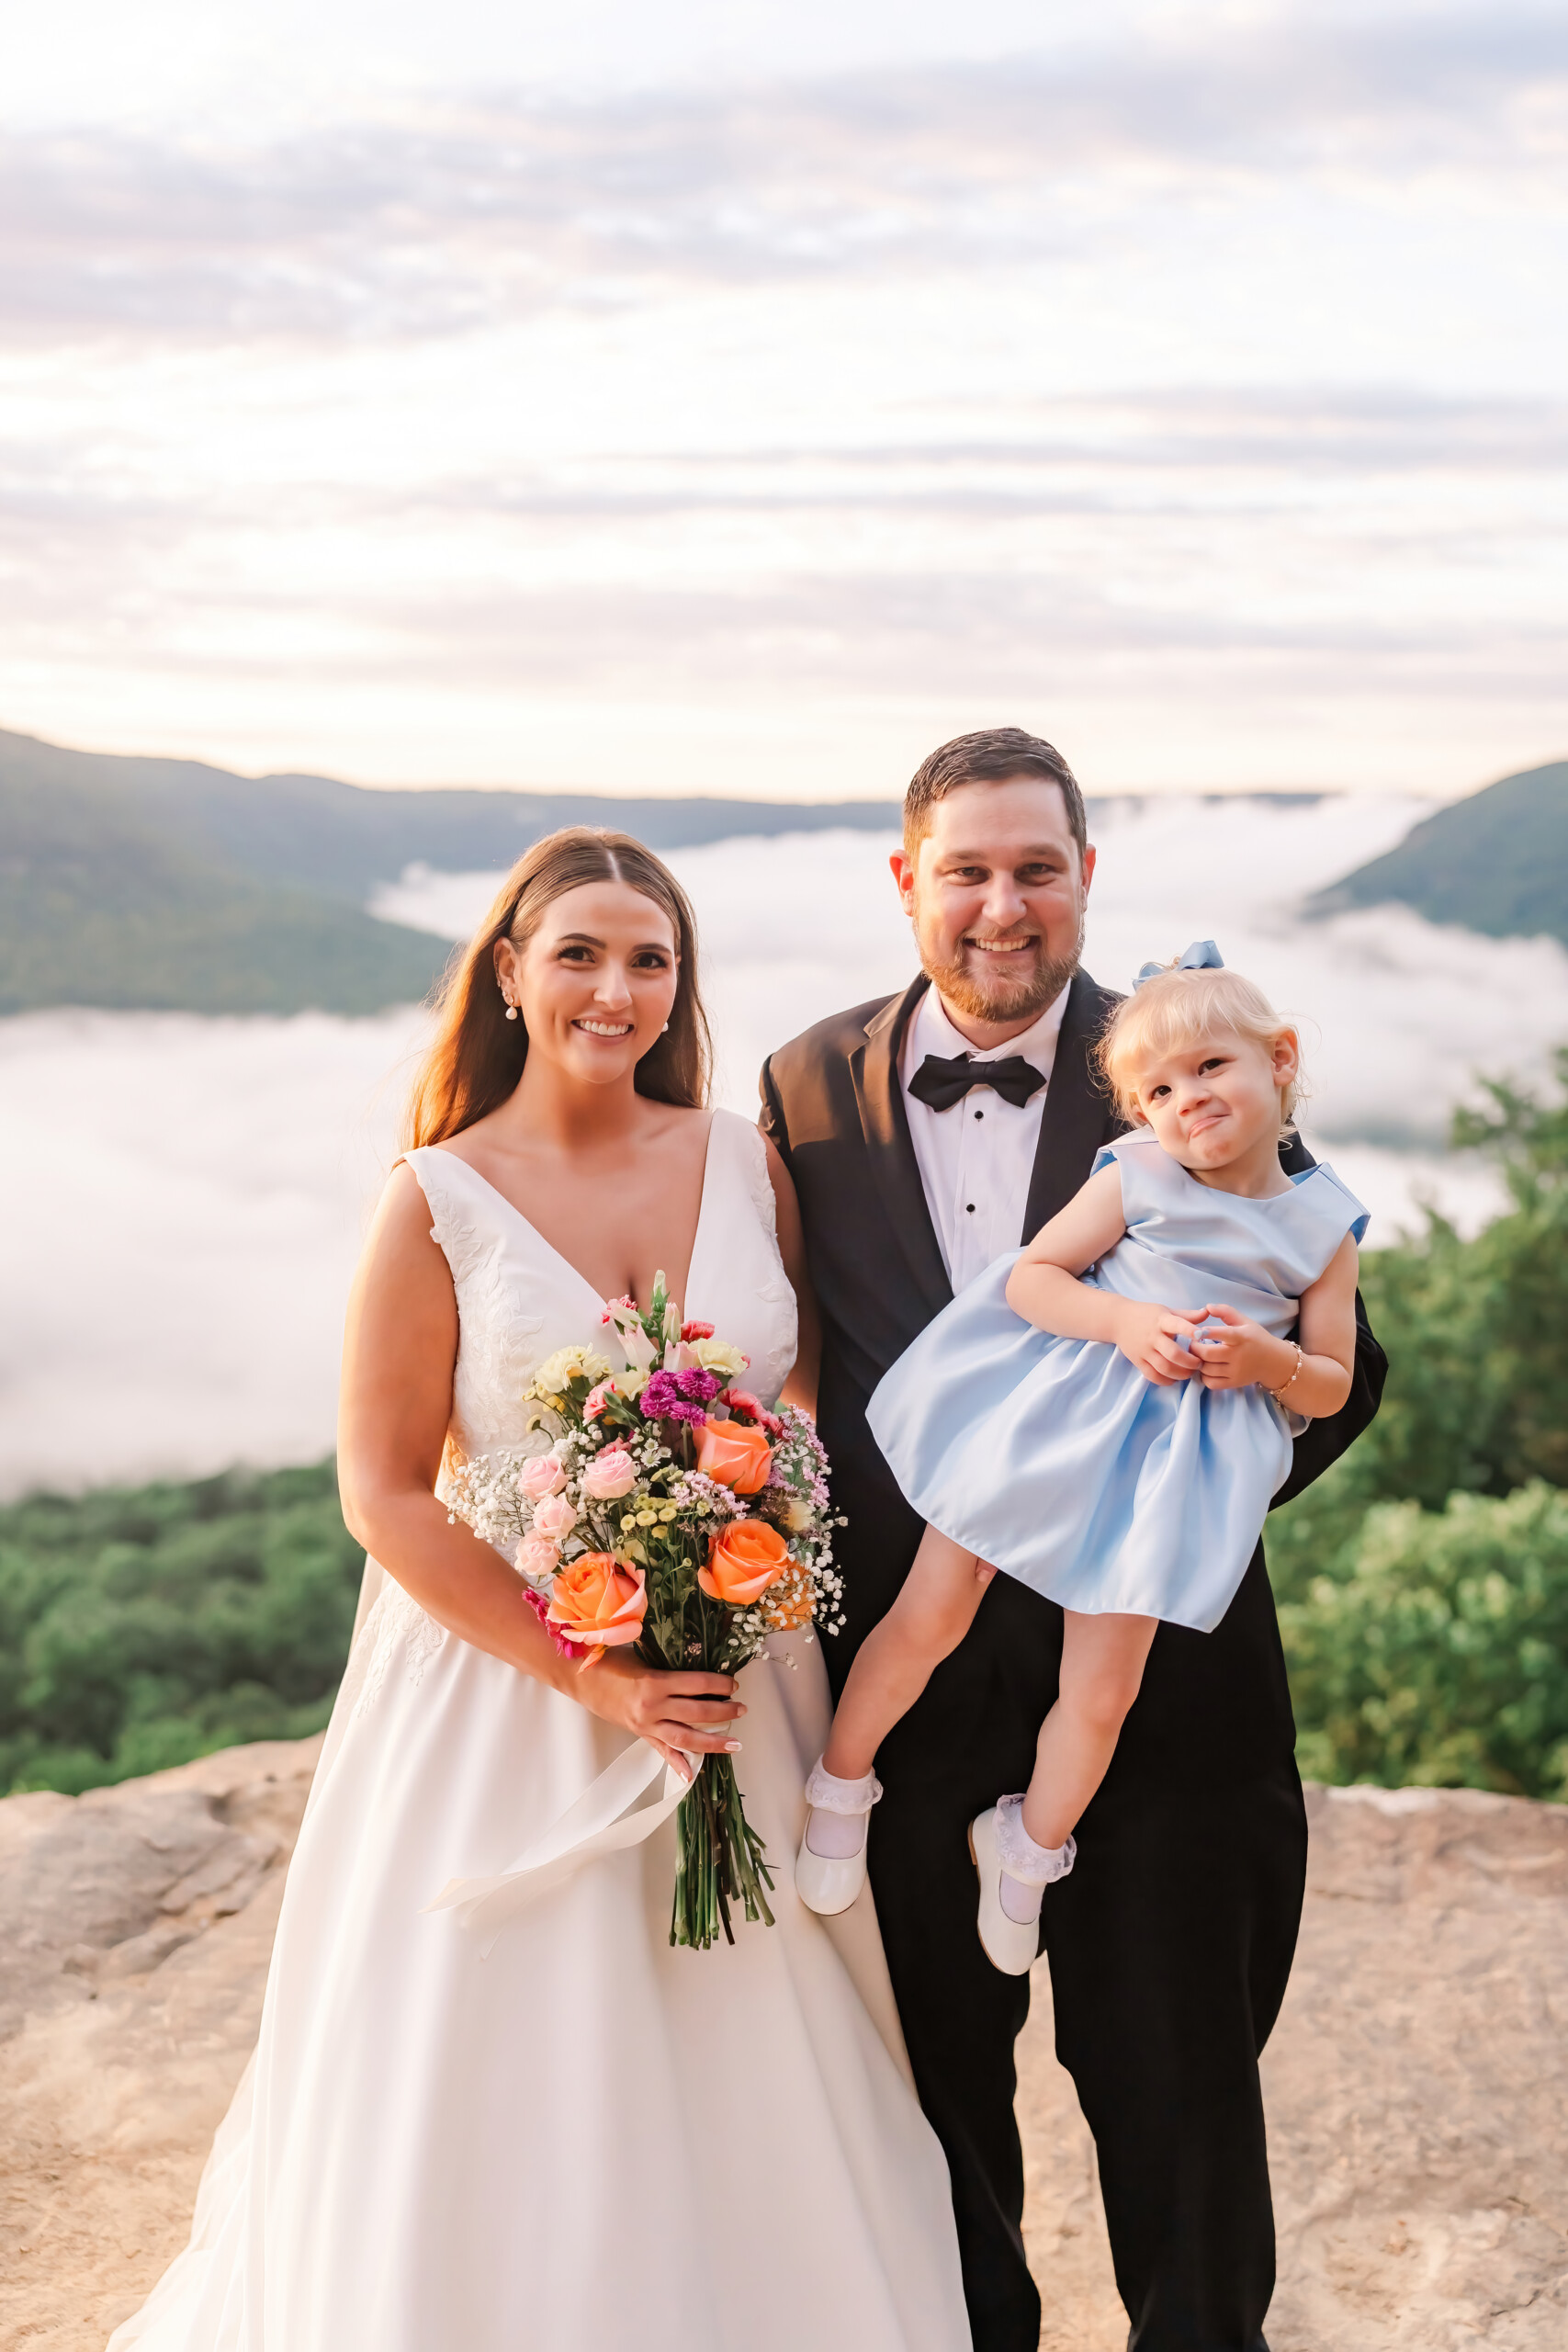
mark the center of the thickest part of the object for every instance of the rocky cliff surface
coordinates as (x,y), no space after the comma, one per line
(1418,2083)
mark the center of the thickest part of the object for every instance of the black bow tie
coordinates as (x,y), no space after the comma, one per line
(940,1084)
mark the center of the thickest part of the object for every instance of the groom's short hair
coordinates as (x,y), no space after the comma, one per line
(991,755)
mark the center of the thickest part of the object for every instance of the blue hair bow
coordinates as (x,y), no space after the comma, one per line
(1201,957)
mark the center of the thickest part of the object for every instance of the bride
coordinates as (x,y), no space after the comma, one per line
(584,2140)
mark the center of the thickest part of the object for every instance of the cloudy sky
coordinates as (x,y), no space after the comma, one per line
(679,395)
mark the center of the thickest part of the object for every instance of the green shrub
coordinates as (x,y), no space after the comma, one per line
(140,1628)
(1423,1583)
(1437,1652)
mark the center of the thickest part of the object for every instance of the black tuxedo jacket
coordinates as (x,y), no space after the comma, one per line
(1212,1706)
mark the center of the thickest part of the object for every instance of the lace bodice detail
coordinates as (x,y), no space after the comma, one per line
(518,1299)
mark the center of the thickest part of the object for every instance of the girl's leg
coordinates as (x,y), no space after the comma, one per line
(1102,1666)
(933,1611)
(1022,1845)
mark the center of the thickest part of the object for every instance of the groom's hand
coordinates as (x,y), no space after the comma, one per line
(1151,1338)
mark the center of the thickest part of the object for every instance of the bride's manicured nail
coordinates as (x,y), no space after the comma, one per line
(732,1747)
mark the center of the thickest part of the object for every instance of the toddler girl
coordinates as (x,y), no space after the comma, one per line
(1105,1415)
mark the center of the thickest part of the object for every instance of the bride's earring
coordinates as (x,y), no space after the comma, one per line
(666,1026)
(511,1007)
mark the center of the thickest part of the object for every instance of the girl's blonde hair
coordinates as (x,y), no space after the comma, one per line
(1173,1011)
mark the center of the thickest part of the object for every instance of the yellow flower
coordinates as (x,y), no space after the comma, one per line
(718,1356)
(551,1378)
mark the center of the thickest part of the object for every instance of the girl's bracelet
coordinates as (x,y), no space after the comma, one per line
(1279,1394)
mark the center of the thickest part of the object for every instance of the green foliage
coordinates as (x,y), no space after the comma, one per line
(139,1628)
(1439,1652)
(1423,1582)
(1496,863)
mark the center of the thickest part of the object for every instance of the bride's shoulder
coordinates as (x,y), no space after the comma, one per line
(760,1165)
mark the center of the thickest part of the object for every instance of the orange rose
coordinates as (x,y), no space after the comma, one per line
(743,1561)
(597,1601)
(737,1456)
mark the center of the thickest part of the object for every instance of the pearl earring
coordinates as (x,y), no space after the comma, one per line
(663,1031)
(511,1007)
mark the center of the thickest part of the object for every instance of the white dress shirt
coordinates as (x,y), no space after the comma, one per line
(976,1158)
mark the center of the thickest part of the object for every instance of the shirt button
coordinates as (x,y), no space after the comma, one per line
(969,1208)
(979,1114)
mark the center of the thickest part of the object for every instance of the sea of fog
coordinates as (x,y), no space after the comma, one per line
(185,1197)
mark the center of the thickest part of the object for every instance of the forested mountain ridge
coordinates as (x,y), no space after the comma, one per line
(1495,863)
(168,885)
(110,896)
(345,838)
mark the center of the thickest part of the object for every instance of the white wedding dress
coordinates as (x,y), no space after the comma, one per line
(587,2141)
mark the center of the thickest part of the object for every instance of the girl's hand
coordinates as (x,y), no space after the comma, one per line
(1244,1354)
(672,1711)
(1149,1337)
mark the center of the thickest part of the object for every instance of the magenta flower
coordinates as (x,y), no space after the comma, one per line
(539,1602)
(679,1397)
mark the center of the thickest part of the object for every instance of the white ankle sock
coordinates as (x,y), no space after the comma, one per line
(1027,1869)
(840,1810)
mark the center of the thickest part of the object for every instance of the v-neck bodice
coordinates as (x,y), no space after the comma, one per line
(561,1257)
(519,1298)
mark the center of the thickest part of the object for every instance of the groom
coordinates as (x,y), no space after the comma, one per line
(925,1135)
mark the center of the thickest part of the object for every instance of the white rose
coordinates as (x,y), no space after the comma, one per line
(718,1356)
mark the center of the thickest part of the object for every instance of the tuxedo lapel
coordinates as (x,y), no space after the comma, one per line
(895,1171)
(1077,1114)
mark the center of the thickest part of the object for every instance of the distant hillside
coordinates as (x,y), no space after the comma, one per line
(345,838)
(1496,863)
(164,884)
(106,901)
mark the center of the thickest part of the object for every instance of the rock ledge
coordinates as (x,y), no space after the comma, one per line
(1417,2083)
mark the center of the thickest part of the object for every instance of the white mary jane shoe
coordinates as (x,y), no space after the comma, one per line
(1011,1945)
(829,1882)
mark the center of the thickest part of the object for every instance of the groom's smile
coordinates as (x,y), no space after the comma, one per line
(995,886)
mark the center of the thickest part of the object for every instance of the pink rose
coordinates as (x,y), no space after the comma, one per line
(610,1475)
(541,1476)
(554,1518)
(598,1398)
(537,1558)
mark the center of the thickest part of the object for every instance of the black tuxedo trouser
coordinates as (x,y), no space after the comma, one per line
(1169,1946)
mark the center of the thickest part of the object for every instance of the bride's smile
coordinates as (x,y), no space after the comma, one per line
(596,983)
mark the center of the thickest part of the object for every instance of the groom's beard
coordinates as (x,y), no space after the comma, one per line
(1008,996)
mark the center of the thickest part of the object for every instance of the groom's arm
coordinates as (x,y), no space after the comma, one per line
(1323,1442)
(771,1117)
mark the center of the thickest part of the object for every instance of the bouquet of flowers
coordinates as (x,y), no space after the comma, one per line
(665,1507)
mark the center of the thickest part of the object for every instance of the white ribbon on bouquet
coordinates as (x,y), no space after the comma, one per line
(598,1822)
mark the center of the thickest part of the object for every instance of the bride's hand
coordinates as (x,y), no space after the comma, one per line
(671,1710)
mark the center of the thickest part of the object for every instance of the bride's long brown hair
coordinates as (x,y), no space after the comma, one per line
(477,1055)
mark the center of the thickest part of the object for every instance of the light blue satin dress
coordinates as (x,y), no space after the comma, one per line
(1056,1460)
